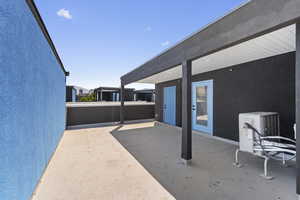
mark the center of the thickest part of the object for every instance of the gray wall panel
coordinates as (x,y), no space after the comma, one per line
(103,114)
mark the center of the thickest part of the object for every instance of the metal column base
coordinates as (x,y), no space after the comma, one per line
(185,162)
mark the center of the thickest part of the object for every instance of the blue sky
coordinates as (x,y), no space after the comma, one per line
(99,41)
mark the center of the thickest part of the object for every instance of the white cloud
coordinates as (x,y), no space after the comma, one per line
(64,13)
(166,43)
(148,28)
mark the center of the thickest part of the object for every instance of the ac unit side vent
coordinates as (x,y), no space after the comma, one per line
(271,125)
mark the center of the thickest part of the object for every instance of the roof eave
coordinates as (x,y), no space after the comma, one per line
(43,28)
(251,20)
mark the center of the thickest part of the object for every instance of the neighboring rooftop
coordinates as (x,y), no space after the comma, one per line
(112,88)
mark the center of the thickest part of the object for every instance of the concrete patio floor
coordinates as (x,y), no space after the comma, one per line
(211,175)
(90,164)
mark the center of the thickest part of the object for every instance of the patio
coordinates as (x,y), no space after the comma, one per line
(211,176)
(90,164)
(142,161)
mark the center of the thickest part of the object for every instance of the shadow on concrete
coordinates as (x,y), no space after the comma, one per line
(211,176)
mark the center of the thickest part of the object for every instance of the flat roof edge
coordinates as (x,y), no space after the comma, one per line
(192,34)
(45,32)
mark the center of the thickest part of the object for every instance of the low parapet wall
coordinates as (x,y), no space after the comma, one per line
(94,113)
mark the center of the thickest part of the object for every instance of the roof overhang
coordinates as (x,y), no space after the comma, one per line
(258,24)
(275,43)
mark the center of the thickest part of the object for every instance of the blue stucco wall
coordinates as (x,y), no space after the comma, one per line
(32,101)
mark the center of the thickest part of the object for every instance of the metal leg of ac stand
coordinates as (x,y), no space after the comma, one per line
(284,164)
(236,160)
(265,175)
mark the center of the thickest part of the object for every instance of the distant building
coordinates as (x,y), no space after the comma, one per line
(80,91)
(144,95)
(113,94)
(74,93)
(70,94)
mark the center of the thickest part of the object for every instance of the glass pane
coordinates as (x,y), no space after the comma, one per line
(202,115)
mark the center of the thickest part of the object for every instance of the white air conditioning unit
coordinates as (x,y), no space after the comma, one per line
(266,123)
(260,135)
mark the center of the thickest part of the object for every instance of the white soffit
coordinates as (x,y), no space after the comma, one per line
(275,43)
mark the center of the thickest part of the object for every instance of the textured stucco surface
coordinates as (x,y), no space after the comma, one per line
(32,96)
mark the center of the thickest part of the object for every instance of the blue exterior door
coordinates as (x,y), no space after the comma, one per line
(169,105)
(202,106)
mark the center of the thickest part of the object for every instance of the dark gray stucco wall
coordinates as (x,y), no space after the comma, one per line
(32,101)
(263,85)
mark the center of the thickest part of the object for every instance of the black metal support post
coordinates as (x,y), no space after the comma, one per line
(186,143)
(122,93)
(298,103)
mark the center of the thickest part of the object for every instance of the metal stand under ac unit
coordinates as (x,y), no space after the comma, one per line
(259,134)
